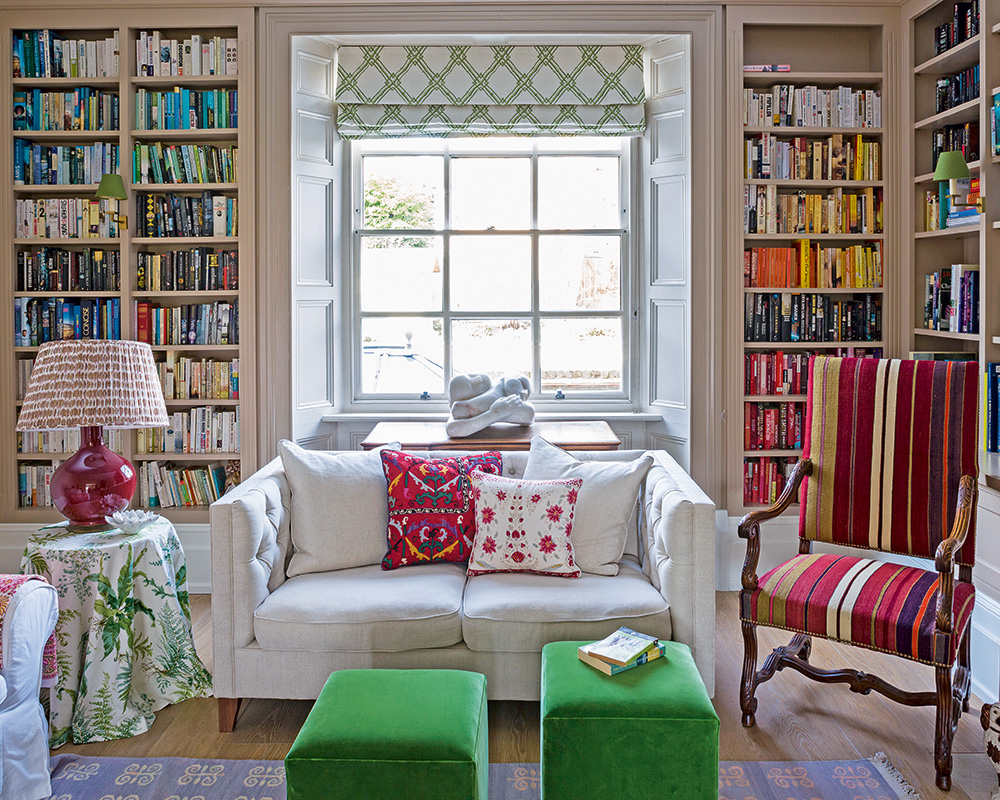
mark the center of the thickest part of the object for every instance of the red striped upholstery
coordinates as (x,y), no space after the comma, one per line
(873,604)
(889,440)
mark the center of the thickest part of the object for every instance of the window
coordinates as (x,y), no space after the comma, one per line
(495,255)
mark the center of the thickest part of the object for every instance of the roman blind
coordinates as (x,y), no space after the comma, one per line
(417,90)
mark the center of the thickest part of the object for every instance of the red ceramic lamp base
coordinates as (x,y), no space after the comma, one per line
(93,483)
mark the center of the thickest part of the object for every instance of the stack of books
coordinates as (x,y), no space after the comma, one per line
(622,650)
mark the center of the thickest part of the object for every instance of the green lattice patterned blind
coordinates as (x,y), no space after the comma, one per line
(463,90)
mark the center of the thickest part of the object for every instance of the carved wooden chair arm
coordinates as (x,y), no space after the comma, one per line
(749,527)
(944,558)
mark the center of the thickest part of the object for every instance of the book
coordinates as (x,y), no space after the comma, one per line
(767,67)
(622,646)
(613,669)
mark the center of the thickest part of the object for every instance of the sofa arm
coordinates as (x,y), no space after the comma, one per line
(679,542)
(250,541)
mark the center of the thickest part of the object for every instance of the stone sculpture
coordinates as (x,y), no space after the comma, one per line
(476,403)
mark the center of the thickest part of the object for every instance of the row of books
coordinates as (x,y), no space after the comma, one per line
(184,378)
(622,650)
(24,367)
(165,487)
(783,105)
(62,165)
(66,218)
(203,323)
(205,429)
(46,319)
(809,265)
(45,54)
(836,158)
(169,215)
(940,212)
(788,317)
(956,89)
(156,55)
(991,407)
(183,163)
(186,109)
(33,484)
(55,269)
(67,441)
(773,426)
(963,137)
(82,109)
(766,210)
(764,478)
(775,372)
(192,270)
(963,25)
(995,125)
(951,299)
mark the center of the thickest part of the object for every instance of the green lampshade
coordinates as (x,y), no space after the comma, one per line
(112,186)
(951,166)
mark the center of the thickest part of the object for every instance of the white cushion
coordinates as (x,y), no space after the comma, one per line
(339,508)
(365,609)
(519,612)
(607,500)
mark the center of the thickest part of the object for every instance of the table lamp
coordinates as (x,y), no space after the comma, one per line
(951,167)
(93,384)
(112,187)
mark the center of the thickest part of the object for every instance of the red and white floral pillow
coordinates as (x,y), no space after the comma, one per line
(523,526)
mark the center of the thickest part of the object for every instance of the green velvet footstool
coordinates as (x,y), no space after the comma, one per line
(648,732)
(385,734)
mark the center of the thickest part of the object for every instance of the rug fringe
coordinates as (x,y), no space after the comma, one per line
(894,776)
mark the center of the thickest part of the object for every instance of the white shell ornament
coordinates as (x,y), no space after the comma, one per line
(131,520)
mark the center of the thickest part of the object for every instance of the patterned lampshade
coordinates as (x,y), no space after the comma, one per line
(79,383)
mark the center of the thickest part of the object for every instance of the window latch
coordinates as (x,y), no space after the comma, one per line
(425,396)
(560,395)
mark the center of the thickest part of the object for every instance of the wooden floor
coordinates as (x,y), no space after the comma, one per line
(796,718)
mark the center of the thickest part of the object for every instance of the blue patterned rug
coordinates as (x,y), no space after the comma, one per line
(86,778)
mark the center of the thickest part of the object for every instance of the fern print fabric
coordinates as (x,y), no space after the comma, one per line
(124,646)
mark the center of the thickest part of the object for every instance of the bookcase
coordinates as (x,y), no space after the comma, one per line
(812,221)
(180,270)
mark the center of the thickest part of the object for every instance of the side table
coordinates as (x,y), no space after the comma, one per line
(124,629)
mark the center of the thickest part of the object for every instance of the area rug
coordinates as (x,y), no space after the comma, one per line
(86,778)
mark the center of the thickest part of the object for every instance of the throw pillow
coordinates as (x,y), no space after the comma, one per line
(608,495)
(524,526)
(432,516)
(338,508)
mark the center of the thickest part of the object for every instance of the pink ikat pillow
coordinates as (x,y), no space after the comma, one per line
(524,526)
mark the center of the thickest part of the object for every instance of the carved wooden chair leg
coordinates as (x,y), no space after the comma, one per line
(748,685)
(805,648)
(965,665)
(944,727)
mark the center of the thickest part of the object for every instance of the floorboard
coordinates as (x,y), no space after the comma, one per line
(797,719)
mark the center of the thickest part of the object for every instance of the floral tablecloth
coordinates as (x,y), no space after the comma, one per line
(124,629)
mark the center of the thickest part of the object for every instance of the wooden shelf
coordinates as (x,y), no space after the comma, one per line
(964,54)
(169,81)
(961,337)
(772,453)
(174,240)
(58,188)
(207,348)
(824,184)
(187,134)
(928,177)
(171,456)
(774,398)
(70,293)
(179,295)
(62,83)
(95,242)
(964,230)
(788,130)
(995,340)
(74,137)
(781,290)
(967,112)
(825,79)
(854,237)
(807,345)
(185,187)
(201,401)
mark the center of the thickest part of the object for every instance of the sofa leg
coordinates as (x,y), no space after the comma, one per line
(229,707)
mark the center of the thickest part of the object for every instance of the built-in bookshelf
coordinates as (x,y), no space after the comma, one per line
(814,252)
(167,102)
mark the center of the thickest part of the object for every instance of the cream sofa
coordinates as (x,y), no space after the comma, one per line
(281,637)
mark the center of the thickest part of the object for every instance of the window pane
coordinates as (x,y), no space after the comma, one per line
(578,192)
(579,273)
(497,347)
(403,192)
(490,193)
(402,355)
(400,273)
(491,273)
(581,355)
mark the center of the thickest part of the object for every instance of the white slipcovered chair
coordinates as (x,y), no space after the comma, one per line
(24,736)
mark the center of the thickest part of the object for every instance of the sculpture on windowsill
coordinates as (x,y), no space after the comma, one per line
(477,403)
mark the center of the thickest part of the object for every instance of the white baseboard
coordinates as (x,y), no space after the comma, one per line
(986,648)
(194,539)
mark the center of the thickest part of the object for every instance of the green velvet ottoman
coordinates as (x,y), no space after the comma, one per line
(393,733)
(648,732)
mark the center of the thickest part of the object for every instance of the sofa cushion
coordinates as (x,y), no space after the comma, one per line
(338,508)
(515,612)
(364,609)
(606,504)
(523,526)
(432,516)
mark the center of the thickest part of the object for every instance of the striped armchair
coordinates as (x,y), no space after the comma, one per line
(890,464)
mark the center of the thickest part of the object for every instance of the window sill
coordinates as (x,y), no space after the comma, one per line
(542,416)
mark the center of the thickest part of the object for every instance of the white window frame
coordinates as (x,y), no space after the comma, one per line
(626,399)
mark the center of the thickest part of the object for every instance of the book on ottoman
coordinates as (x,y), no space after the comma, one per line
(621,647)
(614,669)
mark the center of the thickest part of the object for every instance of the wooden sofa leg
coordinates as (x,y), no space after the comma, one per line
(748,685)
(229,707)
